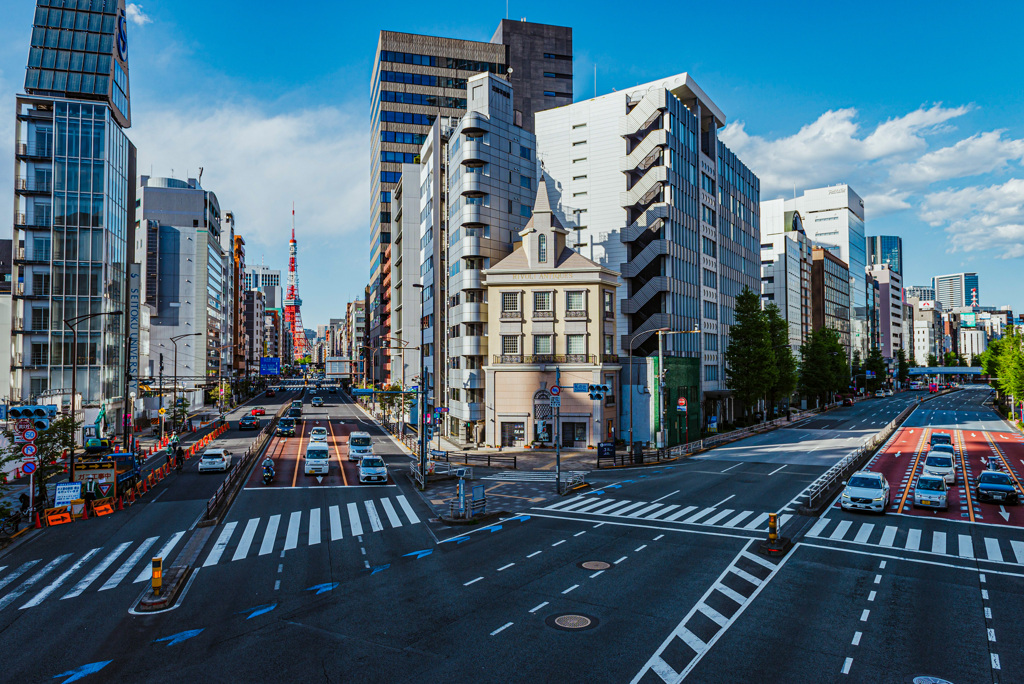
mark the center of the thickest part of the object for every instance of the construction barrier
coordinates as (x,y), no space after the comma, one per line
(103,506)
(78,509)
(57,516)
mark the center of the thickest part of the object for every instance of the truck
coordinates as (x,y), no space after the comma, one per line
(109,475)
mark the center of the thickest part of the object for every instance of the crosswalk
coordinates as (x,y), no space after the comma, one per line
(67,576)
(707,516)
(913,539)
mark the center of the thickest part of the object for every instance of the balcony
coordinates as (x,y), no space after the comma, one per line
(471,345)
(582,313)
(537,359)
(20,257)
(30,186)
(511,316)
(468,279)
(543,315)
(22,222)
(33,151)
(609,358)
(470,184)
(470,312)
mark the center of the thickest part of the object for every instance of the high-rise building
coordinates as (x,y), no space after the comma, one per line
(641,176)
(182,239)
(834,219)
(922,292)
(240,341)
(255,326)
(268,281)
(417,79)
(886,249)
(830,294)
(956,290)
(890,309)
(74,210)
(928,330)
(405,275)
(786,268)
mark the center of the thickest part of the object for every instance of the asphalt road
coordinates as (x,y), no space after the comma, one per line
(652,576)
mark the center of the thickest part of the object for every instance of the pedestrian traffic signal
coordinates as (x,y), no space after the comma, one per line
(40,416)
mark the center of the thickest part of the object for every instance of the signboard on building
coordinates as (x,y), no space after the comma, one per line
(270,365)
(968,320)
(134,316)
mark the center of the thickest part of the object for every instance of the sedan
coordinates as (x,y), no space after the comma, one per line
(880,393)
(318,434)
(866,491)
(317,401)
(931,492)
(997,487)
(848,401)
(271,392)
(216,460)
(249,423)
(373,469)
(259,411)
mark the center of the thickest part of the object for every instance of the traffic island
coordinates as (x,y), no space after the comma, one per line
(775,547)
(482,518)
(174,581)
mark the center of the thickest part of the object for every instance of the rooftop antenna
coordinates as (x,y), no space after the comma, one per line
(199,181)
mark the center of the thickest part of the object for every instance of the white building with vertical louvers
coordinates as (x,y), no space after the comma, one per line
(786,268)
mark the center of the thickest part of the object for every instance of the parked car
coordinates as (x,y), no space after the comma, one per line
(880,393)
(286,427)
(249,422)
(215,459)
(317,401)
(318,434)
(373,469)
(931,492)
(866,491)
(259,411)
(997,487)
(889,393)
(940,464)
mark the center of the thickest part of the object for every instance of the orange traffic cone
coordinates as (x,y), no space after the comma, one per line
(85,511)
(120,503)
(143,487)
(39,522)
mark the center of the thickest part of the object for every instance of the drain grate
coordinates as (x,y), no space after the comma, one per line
(926,679)
(595,565)
(572,622)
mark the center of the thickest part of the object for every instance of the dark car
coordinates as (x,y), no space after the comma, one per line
(286,427)
(295,414)
(249,423)
(848,401)
(271,392)
(997,487)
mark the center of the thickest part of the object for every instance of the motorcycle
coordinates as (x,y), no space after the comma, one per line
(268,475)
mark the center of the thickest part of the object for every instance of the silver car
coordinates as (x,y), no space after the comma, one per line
(940,464)
(866,491)
(931,492)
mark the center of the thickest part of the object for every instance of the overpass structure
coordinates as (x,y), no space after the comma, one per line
(948,370)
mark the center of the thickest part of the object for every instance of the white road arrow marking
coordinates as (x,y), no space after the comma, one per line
(319,479)
(898,454)
(1002,512)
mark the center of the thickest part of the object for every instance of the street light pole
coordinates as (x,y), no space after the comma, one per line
(423,398)
(174,409)
(72,324)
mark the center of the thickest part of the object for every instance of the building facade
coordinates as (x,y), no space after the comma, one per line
(255,321)
(973,342)
(641,176)
(830,295)
(786,268)
(890,309)
(834,218)
(405,274)
(956,290)
(886,249)
(552,313)
(74,211)
(922,292)
(928,331)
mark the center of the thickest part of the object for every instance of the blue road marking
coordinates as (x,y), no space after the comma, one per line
(618,486)
(495,528)
(419,554)
(75,675)
(258,610)
(522,518)
(599,492)
(323,588)
(457,540)
(380,568)
(179,637)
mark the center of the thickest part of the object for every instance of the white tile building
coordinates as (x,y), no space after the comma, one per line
(786,268)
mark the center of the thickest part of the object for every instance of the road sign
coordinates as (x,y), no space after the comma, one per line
(162,411)
(29,467)
(555,390)
(29,435)
(556,402)
(24,423)
(681,405)
(67,492)
(29,450)
(580,387)
(441,409)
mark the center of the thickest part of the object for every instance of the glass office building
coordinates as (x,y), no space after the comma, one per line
(886,249)
(74,208)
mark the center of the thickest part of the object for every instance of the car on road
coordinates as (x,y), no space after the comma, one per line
(249,422)
(271,392)
(318,434)
(373,469)
(889,393)
(940,438)
(944,448)
(848,401)
(359,445)
(997,487)
(865,491)
(880,393)
(286,427)
(259,411)
(940,464)
(295,414)
(333,390)
(318,459)
(931,492)
(216,460)
(317,401)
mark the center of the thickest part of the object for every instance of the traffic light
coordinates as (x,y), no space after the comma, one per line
(40,416)
(428,432)
(597,392)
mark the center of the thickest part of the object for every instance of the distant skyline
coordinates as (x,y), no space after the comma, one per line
(274,105)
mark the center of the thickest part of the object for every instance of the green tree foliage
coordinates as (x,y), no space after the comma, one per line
(875,363)
(949,359)
(395,405)
(785,361)
(933,361)
(902,366)
(51,444)
(823,368)
(1003,362)
(750,359)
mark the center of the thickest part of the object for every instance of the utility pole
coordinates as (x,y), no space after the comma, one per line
(558,435)
(161,415)
(661,390)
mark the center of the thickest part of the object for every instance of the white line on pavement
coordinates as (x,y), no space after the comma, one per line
(473,581)
(536,608)
(503,627)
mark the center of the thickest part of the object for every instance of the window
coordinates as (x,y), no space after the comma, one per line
(484,200)
(542,344)
(525,211)
(707,215)
(579,125)
(574,301)
(575,344)
(580,178)
(525,152)
(579,143)
(609,302)
(710,373)
(711,310)
(710,279)
(542,248)
(510,344)
(609,344)
(580,160)
(710,248)
(525,182)
(580,194)
(710,342)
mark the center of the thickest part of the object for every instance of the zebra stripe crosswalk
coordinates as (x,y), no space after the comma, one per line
(891,537)
(656,512)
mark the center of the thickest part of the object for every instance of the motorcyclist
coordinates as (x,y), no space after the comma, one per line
(268,466)
(179,458)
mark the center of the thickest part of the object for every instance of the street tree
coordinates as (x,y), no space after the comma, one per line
(902,366)
(823,367)
(395,404)
(750,359)
(932,361)
(876,364)
(785,361)
(51,446)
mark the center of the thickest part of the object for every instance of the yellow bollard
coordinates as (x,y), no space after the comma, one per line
(773,527)
(158,574)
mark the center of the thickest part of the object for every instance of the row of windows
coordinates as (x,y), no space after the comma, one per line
(710,279)
(443,62)
(544,344)
(710,310)
(423,99)
(407,118)
(65,60)
(423,79)
(102,42)
(552,93)
(399,157)
(575,300)
(390,176)
(405,138)
(552,74)
(72,82)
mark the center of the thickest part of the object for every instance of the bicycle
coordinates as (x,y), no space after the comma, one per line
(10,524)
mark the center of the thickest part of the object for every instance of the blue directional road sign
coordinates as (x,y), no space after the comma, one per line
(270,365)
(580,387)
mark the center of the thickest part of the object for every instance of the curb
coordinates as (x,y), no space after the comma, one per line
(472,521)
(175,580)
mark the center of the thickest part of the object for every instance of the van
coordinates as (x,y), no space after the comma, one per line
(941,438)
(359,445)
(318,459)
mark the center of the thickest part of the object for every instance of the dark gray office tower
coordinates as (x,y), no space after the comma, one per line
(540,57)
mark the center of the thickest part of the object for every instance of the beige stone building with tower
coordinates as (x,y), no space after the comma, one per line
(551,313)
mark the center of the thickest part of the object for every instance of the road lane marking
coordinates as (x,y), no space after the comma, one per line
(575,586)
(840,530)
(371,513)
(390,511)
(19,572)
(665,497)
(314,526)
(712,614)
(966,545)
(599,572)
(992,550)
(913,540)
(872,595)
(640,548)
(353,520)
(731,496)
(242,550)
(534,554)
(337,453)
(856,639)
(409,513)
(846,665)
(622,511)
(335,516)
(53,586)
(1018,551)
(127,566)
(270,535)
(864,533)
(662,512)
(959,436)
(505,567)
(864,615)
(745,575)
(878,579)
(291,539)
(579,533)
(778,469)
(913,469)
(719,516)
(888,535)
(757,559)
(814,531)
(939,542)
(604,511)
(502,628)
(620,560)
(31,581)
(756,522)
(680,513)
(218,548)
(538,607)
(698,515)
(646,509)
(473,581)
(164,552)
(559,542)
(84,583)
(731,467)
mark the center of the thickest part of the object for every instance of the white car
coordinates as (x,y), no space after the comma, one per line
(373,469)
(940,464)
(880,393)
(866,491)
(318,434)
(215,459)
(889,393)
(317,401)
(359,445)
(318,459)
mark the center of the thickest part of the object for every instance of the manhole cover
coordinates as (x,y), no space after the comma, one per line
(926,679)
(595,565)
(572,622)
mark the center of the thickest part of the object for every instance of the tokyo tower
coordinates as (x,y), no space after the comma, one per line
(292,302)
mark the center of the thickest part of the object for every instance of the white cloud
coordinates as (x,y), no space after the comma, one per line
(258,163)
(978,154)
(980,217)
(136,15)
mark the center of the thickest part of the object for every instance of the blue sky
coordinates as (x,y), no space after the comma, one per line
(916,105)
